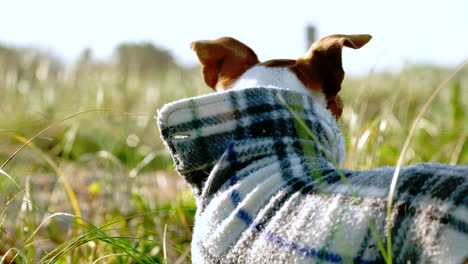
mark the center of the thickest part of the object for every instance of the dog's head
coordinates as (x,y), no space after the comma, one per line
(229,64)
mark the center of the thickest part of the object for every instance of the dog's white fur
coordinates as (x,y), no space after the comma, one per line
(275,77)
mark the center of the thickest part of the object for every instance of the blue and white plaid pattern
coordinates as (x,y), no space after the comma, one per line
(268,193)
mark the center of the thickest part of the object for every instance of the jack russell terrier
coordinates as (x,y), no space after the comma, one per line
(263,159)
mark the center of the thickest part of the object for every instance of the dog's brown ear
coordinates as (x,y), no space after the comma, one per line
(223,60)
(322,66)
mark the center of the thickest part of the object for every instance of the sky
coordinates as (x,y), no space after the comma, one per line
(404,31)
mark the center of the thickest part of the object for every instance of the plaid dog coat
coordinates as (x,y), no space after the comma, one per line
(268,191)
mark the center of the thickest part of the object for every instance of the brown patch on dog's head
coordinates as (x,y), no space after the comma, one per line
(279,63)
(223,60)
(322,64)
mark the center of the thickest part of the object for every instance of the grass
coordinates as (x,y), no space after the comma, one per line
(97,186)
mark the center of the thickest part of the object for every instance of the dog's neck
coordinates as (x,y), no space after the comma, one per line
(237,127)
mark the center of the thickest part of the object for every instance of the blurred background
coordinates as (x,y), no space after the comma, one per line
(98,184)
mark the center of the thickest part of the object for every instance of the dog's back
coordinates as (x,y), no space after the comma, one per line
(267,193)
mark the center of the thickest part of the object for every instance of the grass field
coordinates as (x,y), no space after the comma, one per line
(99,187)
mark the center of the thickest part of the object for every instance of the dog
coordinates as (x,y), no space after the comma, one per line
(263,157)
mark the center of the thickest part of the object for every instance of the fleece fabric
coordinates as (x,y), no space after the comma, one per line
(264,166)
